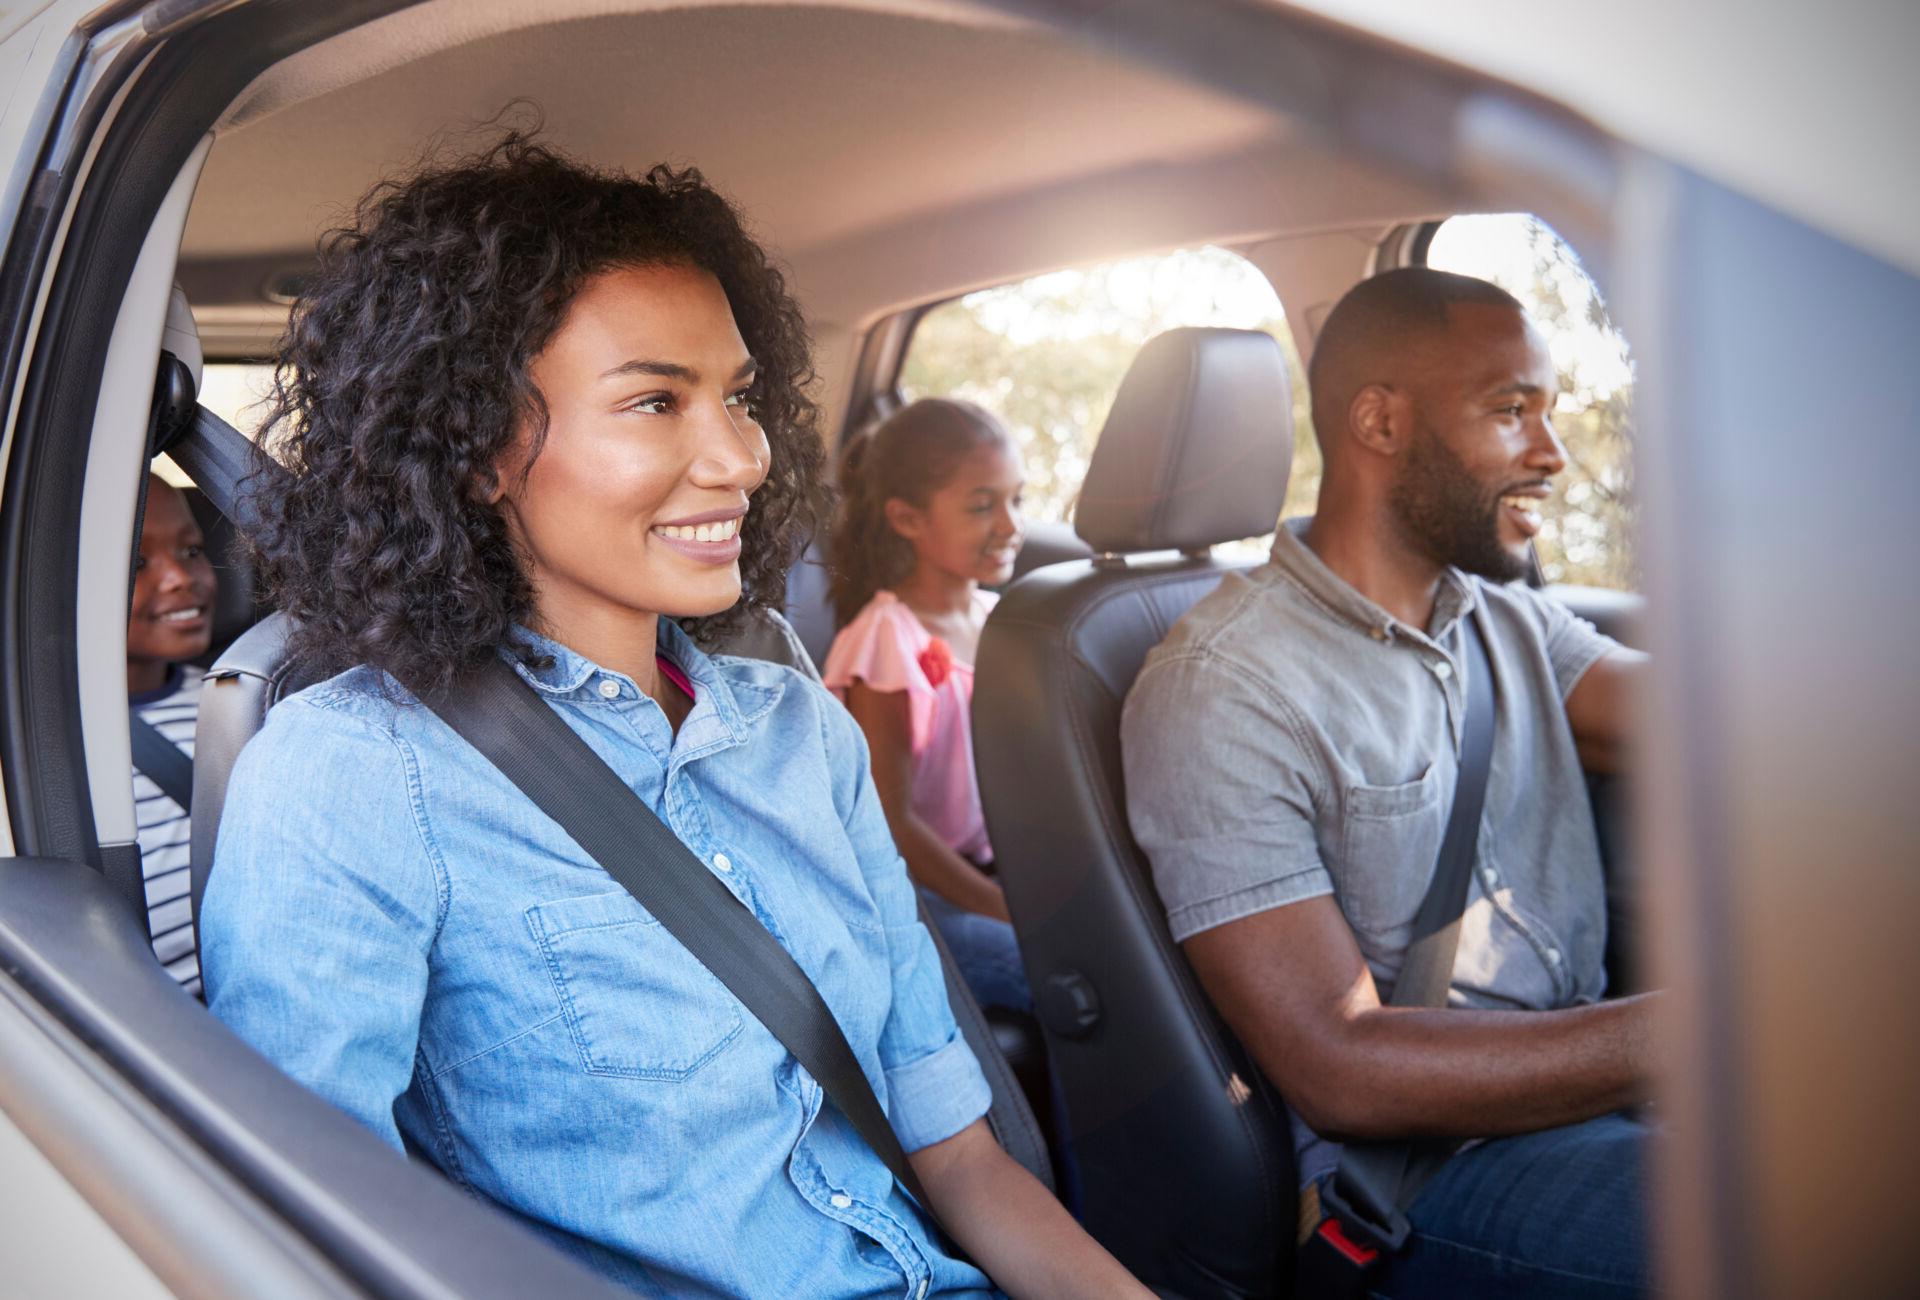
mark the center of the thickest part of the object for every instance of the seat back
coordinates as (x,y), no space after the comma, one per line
(1185,1153)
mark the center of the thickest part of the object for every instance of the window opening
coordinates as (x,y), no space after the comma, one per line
(1047,356)
(1588,537)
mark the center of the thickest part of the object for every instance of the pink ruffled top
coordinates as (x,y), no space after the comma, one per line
(889,649)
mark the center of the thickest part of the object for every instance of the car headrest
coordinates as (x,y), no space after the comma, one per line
(181,336)
(1197,448)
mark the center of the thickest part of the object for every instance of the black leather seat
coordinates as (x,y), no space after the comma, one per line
(1184,1151)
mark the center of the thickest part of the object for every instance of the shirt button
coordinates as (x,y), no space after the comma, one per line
(841,1201)
(1442,669)
(1378,633)
(1490,876)
(609,689)
(1553,956)
(721,862)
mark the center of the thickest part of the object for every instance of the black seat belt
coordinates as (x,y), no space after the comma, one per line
(503,718)
(164,763)
(1367,1201)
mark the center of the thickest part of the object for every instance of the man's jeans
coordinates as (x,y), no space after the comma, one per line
(1557,1213)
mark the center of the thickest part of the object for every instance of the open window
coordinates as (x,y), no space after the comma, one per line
(1047,355)
(1588,537)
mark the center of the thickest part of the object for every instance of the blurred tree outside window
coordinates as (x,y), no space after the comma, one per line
(1047,356)
(1588,535)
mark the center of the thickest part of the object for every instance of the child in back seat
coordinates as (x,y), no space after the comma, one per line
(169,624)
(930,513)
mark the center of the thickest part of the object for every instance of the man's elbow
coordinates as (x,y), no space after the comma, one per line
(1338,1096)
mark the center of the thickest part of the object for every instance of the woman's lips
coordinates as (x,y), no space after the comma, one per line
(188,617)
(710,542)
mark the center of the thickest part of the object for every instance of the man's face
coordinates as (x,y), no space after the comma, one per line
(1469,486)
(172,616)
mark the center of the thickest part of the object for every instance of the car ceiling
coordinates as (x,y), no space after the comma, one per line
(890,150)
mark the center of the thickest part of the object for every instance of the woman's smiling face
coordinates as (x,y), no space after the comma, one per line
(634,503)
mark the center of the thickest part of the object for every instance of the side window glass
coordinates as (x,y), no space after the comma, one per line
(237,392)
(1047,355)
(1588,537)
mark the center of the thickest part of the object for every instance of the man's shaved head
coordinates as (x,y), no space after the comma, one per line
(1377,335)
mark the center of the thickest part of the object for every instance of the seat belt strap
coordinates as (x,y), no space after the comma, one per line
(1376,1181)
(164,763)
(507,721)
(219,459)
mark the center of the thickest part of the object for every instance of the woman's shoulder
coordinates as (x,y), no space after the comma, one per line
(359,705)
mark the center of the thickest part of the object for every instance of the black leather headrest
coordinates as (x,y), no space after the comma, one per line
(1197,448)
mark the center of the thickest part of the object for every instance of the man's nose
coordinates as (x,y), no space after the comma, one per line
(1548,454)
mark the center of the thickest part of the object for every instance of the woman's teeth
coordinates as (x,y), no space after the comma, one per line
(723,531)
(181,615)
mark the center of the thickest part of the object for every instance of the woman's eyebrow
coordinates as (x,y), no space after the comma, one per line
(672,370)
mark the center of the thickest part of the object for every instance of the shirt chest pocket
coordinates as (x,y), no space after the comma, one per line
(1391,836)
(637,1003)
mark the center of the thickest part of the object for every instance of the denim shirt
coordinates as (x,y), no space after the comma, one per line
(396,926)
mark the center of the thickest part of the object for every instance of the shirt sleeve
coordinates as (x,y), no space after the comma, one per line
(1573,644)
(934,1087)
(321,909)
(1220,793)
(881,647)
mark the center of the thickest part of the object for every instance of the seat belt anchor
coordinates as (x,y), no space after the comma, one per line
(1355,1235)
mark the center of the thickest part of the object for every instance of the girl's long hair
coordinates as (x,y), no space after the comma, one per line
(909,455)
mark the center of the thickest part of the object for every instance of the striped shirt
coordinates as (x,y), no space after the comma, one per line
(164,831)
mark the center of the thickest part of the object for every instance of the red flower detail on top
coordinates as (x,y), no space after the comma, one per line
(936,661)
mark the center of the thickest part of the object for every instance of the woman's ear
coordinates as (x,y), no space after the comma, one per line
(904,518)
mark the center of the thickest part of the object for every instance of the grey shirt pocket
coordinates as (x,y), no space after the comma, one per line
(1389,838)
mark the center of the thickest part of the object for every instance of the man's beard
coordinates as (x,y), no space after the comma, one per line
(1447,514)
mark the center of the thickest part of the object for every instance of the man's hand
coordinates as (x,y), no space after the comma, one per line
(1600,709)
(1292,984)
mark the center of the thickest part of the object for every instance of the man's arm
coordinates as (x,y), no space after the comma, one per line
(1600,709)
(1292,984)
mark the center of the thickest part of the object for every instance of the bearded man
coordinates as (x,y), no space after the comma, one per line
(1292,750)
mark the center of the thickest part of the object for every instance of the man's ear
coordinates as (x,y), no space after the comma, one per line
(1379,419)
(904,518)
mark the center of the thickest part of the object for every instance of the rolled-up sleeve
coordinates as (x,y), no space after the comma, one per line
(934,1086)
(1219,793)
(1573,644)
(318,920)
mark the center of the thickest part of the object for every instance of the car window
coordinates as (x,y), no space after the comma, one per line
(1047,355)
(1588,534)
(236,391)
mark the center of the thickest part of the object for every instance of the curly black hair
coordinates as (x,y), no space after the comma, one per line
(404,374)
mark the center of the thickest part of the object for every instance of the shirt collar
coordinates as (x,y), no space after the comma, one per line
(725,703)
(1293,557)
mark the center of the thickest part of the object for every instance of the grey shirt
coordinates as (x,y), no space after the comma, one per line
(1291,739)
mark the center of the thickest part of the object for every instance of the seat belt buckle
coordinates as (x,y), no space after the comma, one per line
(1355,1235)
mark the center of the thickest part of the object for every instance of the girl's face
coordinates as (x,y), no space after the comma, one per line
(970,526)
(635,501)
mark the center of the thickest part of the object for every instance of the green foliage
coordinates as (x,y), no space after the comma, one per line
(1047,356)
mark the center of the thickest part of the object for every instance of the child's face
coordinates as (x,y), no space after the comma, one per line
(171,619)
(971,526)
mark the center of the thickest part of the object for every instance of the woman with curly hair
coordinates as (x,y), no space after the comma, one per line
(557,415)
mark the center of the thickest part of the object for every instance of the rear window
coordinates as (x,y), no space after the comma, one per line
(1588,535)
(1047,355)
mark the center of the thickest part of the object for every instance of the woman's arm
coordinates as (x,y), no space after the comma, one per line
(1012,1226)
(882,715)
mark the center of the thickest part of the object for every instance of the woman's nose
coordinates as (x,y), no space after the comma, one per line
(733,451)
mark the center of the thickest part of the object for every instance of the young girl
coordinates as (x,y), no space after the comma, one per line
(930,511)
(556,415)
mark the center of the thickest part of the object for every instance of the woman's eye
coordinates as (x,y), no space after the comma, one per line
(195,552)
(653,404)
(741,401)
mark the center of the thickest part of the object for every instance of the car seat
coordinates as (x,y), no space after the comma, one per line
(1184,1151)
